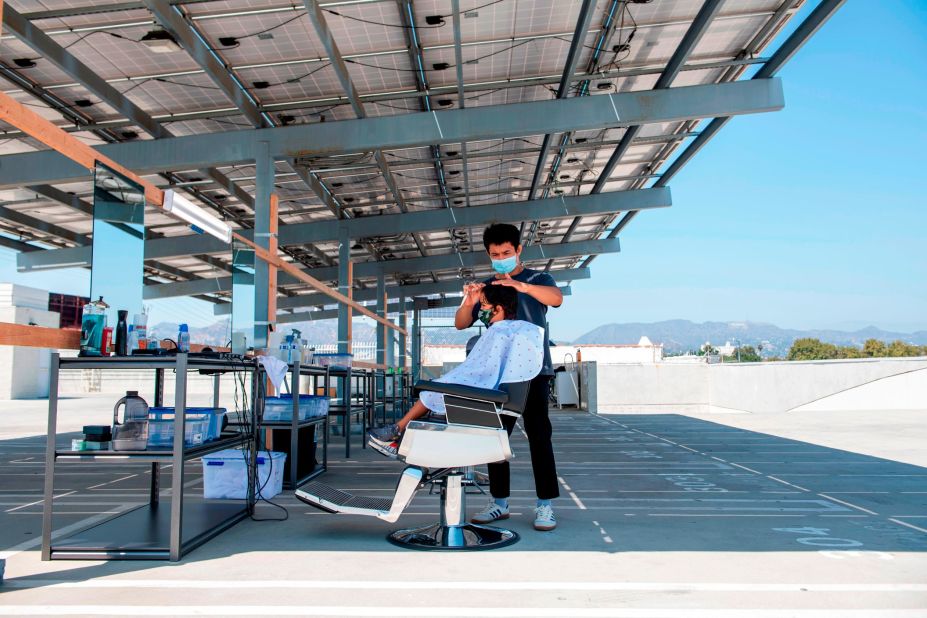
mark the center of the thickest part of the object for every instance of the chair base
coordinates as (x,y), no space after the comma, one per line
(466,537)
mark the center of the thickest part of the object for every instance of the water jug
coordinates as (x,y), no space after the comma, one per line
(132,433)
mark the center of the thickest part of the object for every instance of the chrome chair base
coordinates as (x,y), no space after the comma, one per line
(466,537)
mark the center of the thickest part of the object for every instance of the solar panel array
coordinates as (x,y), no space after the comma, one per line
(399,62)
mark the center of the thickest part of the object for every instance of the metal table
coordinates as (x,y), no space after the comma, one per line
(150,531)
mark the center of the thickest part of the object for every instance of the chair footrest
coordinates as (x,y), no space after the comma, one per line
(331,500)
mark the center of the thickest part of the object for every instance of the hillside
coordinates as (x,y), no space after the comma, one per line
(683,335)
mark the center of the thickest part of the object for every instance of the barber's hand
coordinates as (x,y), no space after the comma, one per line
(472,292)
(507,281)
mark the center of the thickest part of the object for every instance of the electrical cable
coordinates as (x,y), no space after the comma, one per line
(377,23)
(270,471)
(444,66)
(429,20)
(292,80)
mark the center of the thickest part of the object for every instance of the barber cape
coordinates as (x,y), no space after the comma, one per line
(509,351)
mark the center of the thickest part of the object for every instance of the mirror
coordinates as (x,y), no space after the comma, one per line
(117,267)
(242,298)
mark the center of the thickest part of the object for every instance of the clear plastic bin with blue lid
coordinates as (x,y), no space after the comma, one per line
(334,361)
(201,425)
(280,408)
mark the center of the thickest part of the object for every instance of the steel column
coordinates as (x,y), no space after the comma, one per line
(344,287)
(262,230)
(381,311)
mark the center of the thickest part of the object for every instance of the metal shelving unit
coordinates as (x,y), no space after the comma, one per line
(294,425)
(150,531)
(350,406)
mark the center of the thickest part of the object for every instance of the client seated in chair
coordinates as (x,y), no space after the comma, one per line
(492,361)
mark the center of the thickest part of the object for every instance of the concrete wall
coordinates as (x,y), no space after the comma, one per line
(24,370)
(862,384)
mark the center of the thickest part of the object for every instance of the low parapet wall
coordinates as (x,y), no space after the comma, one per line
(862,384)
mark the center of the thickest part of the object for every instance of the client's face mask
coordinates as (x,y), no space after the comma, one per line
(485,316)
(504,267)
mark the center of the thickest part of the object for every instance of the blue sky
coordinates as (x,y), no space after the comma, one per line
(811,217)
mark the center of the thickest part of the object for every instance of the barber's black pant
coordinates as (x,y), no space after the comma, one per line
(537,425)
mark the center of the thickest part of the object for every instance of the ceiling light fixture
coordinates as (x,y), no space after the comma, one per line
(440,66)
(83,103)
(200,220)
(24,63)
(260,85)
(161,42)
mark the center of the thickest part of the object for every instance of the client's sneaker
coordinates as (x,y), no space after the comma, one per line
(491,513)
(390,450)
(544,518)
(384,434)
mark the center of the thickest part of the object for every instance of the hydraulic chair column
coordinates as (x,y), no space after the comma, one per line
(453,531)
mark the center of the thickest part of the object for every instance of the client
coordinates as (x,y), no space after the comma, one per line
(510,351)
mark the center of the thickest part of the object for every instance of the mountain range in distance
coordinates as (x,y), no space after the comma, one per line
(683,335)
(675,335)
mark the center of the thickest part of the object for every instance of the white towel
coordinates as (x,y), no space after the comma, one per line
(276,370)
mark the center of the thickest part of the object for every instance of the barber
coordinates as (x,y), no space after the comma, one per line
(536,292)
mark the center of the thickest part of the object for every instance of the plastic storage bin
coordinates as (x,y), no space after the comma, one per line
(161,432)
(225,475)
(335,361)
(281,408)
(215,418)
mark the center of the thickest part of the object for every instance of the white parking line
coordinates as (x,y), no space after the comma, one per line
(353,584)
(22,506)
(442,611)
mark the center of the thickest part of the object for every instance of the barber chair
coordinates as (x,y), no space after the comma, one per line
(441,454)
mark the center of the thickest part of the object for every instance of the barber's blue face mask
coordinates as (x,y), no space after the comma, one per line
(504,267)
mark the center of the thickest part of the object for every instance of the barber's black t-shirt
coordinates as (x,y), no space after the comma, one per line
(529,309)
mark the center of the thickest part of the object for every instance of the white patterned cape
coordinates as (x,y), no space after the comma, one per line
(509,351)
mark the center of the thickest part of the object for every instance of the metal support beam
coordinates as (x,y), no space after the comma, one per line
(410,130)
(416,345)
(418,303)
(174,21)
(381,311)
(262,231)
(801,35)
(451,286)
(586,12)
(341,71)
(419,221)
(43,44)
(686,46)
(446,261)
(403,324)
(344,287)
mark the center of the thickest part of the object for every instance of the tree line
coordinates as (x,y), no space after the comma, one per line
(809,348)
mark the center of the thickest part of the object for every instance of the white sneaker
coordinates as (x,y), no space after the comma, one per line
(544,518)
(492,512)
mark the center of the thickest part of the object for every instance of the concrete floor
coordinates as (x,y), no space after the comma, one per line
(660,515)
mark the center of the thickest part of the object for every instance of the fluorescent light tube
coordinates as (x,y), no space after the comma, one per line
(180,206)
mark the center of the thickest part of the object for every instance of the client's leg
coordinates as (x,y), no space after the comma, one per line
(388,433)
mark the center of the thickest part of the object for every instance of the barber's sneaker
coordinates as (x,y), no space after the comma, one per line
(384,434)
(492,512)
(544,518)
